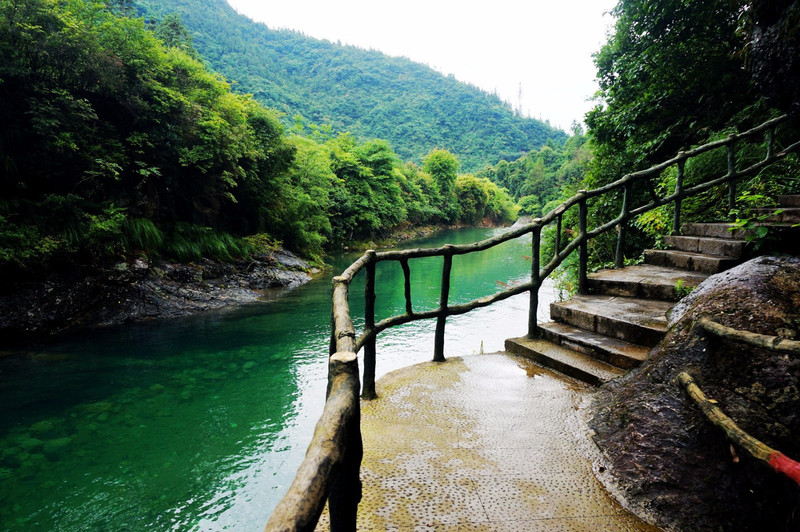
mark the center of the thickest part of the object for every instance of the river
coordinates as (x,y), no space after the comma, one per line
(200,423)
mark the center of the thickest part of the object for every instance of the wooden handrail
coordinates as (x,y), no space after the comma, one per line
(758,449)
(343,447)
(773,343)
(333,459)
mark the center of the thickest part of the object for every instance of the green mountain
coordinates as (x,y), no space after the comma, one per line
(363,92)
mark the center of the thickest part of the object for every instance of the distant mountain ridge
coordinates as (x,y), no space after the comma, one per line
(365,92)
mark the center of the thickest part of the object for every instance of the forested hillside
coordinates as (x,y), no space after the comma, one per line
(115,141)
(353,90)
(540,179)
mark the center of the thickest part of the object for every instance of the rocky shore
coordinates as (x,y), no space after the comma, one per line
(138,290)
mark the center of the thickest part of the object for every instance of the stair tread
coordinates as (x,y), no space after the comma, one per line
(646,281)
(712,229)
(791,200)
(649,274)
(565,360)
(690,254)
(647,313)
(711,238)
(619,347)
(779,207)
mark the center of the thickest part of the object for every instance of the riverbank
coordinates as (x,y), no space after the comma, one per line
(138,290)
(142,289)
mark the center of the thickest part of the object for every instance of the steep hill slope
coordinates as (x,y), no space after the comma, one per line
(361,91)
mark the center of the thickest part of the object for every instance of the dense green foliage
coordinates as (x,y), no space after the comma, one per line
(541,178)
(671,75)
(103,125)
(674,75)
(363,92)
(115,138)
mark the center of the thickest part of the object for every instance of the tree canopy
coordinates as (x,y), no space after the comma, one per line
(675,74)
(115,139)
(670,75)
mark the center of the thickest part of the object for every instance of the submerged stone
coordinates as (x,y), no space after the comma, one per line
(31,444)
(99,407)
(43,427)
(53,449)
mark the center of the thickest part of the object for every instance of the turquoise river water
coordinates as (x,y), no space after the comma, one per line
(200,423)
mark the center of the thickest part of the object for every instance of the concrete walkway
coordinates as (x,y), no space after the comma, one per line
(485,442)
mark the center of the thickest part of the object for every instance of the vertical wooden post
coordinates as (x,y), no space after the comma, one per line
(438,342)
(770,143)
(330,470)
(731,178)
(345,491)
(558,236)
(583,250)
(368,390)
(407,285)
(676,215)
(619,257)
(533,322)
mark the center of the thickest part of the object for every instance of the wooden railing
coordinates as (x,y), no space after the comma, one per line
(774,343)
(759,450)
(330,469)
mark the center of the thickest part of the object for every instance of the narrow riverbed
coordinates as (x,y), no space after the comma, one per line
(200,423)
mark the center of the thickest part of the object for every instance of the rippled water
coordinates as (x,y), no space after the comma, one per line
(200,423)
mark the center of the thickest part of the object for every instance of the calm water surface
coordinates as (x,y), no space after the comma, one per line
(200,423)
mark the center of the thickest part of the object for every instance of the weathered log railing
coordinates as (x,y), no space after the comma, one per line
(775,343)
(330,468)
(776,460)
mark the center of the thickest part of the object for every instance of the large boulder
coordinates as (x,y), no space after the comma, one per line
(667,459)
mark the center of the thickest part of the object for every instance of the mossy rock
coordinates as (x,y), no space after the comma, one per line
(667,458)
(53,449)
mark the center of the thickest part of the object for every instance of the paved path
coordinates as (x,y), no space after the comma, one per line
(485,442)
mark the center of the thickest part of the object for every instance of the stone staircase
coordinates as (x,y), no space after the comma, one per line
(598,336)
(786,213)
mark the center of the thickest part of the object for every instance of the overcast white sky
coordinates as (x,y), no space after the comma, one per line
(545,47)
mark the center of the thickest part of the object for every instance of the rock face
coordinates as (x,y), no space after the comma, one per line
(136,291)
(666,457)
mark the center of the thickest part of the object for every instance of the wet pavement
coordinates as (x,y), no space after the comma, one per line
(485,442)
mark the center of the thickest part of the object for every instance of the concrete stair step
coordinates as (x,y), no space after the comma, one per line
(780,215)
(567,361)
(727,247)
(610,350)
(687,260)
(644,281)
(713,230)
(635,320)
(789,200)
